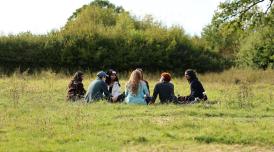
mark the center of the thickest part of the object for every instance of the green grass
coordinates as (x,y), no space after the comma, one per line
(238,117)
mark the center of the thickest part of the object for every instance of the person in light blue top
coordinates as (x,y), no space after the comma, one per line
(136,89)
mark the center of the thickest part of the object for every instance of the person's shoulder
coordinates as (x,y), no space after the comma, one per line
(103,82)
(170,83)
(195,82)
(99,81)
(158,84)
(143,82)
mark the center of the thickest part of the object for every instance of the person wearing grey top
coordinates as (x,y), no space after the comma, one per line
(97,89)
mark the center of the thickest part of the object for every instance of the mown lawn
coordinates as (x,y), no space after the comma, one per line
(238,117)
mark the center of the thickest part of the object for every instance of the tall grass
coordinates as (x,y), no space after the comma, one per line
(239,116)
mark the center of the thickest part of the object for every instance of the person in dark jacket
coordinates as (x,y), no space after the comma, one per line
(165,89)
(97,89)
(76,89)
(197,90)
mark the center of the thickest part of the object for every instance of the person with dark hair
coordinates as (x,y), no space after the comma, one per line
(112,81)
(165,89)
(197,90)
(142,75)
(97,89)
(76,89)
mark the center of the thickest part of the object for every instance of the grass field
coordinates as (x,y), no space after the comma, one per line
(239,116)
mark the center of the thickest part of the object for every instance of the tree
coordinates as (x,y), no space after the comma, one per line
(257,48)
(234,21)
(242,11)
(105,4)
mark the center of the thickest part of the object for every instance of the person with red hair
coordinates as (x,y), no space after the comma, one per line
(165,89)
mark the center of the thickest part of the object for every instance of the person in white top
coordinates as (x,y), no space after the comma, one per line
(114,86)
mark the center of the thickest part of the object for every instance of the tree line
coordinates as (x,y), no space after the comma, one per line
(101,35)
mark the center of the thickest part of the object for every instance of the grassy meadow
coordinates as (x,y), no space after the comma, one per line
(239,116)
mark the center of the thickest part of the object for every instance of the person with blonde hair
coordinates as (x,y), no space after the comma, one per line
(142,74)
(136,90)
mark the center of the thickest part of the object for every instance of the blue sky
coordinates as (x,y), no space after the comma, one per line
(41,16)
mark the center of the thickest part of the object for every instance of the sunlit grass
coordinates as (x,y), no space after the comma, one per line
(239,116)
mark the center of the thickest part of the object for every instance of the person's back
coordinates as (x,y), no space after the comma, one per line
(97,90)
(142,78)
(76,89)
(196,89)
(165,91)
(136,89)
(139,97)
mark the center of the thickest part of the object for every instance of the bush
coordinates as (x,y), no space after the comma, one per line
(101,36)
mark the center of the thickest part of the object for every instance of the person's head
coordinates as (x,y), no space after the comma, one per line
(141,71)
(190,75)
(134,81)
(166,77)
(102,75)
(112,77)
(78,76)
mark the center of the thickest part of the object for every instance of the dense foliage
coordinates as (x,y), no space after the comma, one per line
(243,31)
(100,36)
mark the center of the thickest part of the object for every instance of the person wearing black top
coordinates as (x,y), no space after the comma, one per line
(165,89)
(197,90)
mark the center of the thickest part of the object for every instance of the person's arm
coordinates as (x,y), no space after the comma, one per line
(72,89)
(155,93)
(174,98)
(201,86)
(193,89)
(145,89)
(203,93)
(81,88)
(105,89)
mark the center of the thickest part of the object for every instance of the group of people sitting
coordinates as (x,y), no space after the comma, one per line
(107,87)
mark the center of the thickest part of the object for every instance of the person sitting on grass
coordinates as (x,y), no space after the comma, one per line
(165,89)
(197,90)
(136,90)
(142,74)
(76,89)
(112,81)
(97,89)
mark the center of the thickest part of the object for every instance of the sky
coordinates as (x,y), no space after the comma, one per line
(42,16)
